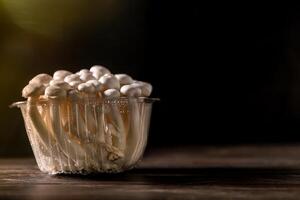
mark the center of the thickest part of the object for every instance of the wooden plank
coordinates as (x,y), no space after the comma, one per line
(232,172)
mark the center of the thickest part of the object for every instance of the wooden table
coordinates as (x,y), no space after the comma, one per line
(232,172)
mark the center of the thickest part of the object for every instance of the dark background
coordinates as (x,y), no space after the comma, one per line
(226,74)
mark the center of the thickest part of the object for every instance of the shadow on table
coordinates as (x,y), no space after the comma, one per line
(199,176)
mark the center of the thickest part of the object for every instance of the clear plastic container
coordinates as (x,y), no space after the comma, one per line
(87,135)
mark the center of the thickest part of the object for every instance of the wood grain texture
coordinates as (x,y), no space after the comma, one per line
(232,172)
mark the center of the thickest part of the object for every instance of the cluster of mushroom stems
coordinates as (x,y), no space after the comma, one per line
(88,134)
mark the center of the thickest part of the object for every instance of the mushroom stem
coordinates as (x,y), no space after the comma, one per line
(100,135)
(90,129)
(133,137)
(72,149)
(63,158)
(44,139)
(116,127)
(38,124)
(89,118)
(82,120)
(115,123)
(143,121)
(76,129)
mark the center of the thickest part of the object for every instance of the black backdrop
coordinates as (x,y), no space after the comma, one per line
(232,72)
(225,73)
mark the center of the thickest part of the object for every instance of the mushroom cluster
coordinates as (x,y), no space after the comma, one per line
(70,115)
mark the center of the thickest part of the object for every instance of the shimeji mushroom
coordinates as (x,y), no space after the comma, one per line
(72,77)
(124,79)
(71,148)
(89,92)
(99,71)
(43,137)
(146,89)
(65,86)
(89,89)
(58,92)
(43,79)
(109,81)
(96,101)
(98,86)
(75,118)
(54,94)
(32,91)
(103,140)
(76,123)
(87,76)
(74,84)
(100,137)
(61,74)
(82,122)
(83,71)
(114,119)
(133,137)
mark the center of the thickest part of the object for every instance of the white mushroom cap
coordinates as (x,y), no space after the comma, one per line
(61,84)
(87,76)
(98,86)
(72,77)
(87,88)
(41,78)
(99,71)
(124,79)
(145,87)
(55,92)
(97,74)
(92,81)
(83,71)
(60,74)
(74,84)
(112,93)
(131,91)
(109,81)
(33,89)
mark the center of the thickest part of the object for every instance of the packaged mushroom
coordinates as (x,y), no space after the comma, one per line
(88,122)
